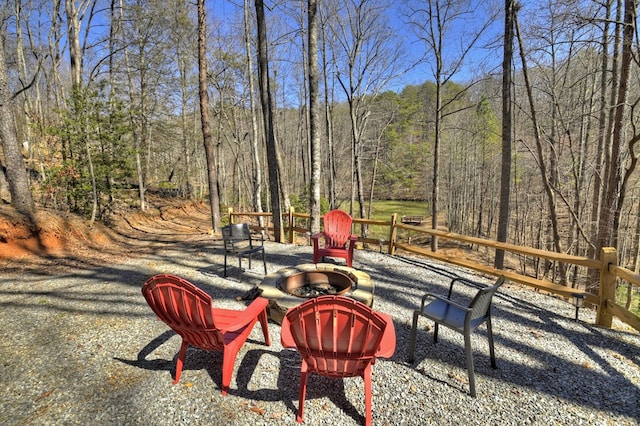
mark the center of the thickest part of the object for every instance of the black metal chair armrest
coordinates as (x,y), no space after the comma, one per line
(424,299)
(465,281)
(444,299)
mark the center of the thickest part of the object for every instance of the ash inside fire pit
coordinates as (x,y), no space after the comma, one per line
(309,284)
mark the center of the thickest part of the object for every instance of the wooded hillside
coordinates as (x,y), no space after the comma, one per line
(105,98)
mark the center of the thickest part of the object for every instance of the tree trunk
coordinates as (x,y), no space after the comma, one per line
(603,136)
(183,63)
(92,174)
(544,172)
(357,128)
(212,172)
(75,54)
(267,115)
(256,169)
(314,117)
(505,173)
(134,127)
(621,116)
(435,188)
(16,172)
(56,56)
(331,169)
(615,178)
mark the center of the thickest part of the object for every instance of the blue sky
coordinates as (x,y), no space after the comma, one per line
(223,11)
(484,57)
(481,59)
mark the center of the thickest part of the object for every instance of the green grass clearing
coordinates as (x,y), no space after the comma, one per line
(383,209)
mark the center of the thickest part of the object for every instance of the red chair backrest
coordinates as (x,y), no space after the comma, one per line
(336,336)
(337,228)
(185,308)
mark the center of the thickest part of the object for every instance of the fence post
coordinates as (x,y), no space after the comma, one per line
(392,234)
(230,212)
(608,256)
(291,225)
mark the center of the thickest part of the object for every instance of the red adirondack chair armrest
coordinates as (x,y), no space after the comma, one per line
(388,343)
(243,318)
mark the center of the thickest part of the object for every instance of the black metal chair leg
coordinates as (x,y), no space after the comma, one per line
(469,353)
(492,354)
(414,331)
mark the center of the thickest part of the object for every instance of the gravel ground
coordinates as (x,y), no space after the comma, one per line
(80,346)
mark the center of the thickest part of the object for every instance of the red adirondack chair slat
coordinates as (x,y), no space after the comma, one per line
(338,337)
(189,311)
(338,241)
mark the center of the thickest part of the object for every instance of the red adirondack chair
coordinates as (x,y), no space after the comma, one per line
(189,311)
(338,337)
(338,239)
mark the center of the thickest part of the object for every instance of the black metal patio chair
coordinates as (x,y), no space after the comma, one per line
(463,319)
(239,241)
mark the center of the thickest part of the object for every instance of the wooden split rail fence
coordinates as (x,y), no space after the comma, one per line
(297,225)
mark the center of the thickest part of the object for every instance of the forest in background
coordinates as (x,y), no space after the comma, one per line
(105,103)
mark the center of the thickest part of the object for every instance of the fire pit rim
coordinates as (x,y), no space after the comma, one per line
(362,290)
(289,283)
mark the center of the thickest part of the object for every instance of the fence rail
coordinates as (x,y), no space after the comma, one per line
(606,264)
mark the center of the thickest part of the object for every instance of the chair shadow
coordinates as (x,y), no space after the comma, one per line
(141,360)
(195,359)
(449,352)
(234,273)
(288,374)
(213,270)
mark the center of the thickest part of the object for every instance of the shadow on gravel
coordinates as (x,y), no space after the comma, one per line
(196,359)
(153,364)
(523,327)
(288,382)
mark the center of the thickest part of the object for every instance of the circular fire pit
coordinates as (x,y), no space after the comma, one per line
(291,286)
(310,284)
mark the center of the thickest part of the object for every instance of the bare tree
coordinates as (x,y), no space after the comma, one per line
(182,36)
(137,133)
(314,116)
(267,114)
(367,57)
(384,114)
(212,172)
(255,135)
(433,23)
(617,174)
(75,12)
(16,171)
(331,174)
(603,134)
(505,174)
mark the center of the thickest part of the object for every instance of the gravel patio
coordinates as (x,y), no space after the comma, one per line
(80,346)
